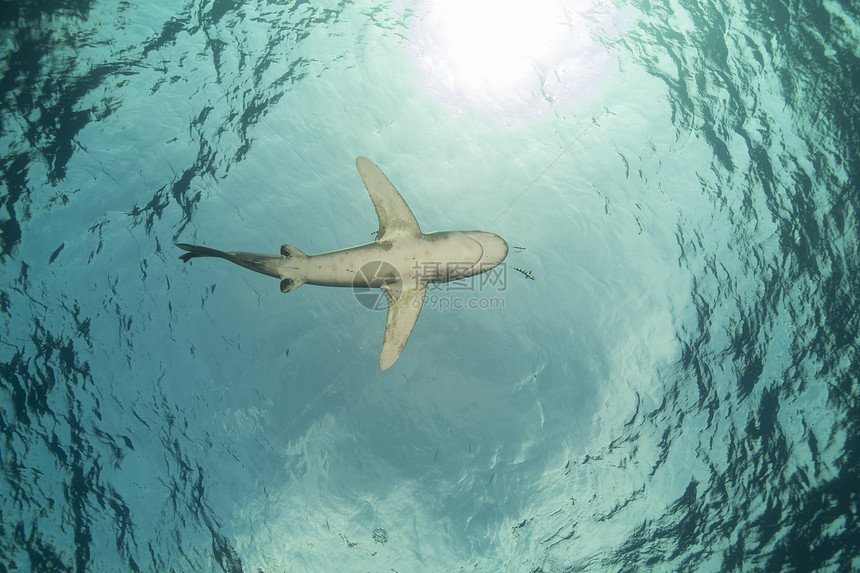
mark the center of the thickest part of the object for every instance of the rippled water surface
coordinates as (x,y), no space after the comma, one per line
(676,390)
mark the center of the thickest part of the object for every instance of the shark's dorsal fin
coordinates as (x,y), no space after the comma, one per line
(404,306)
(395,216)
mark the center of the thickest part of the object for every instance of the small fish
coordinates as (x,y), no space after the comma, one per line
(527,274)
(518,249)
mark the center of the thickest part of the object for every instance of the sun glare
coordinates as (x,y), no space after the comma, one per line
(494,44)
(501,54)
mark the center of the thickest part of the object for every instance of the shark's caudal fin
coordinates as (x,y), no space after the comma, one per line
(195,251)
(265,264)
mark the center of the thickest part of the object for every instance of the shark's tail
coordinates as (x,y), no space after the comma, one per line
(265,264)
(195,251)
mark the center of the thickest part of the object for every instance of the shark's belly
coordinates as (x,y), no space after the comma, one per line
(428,258)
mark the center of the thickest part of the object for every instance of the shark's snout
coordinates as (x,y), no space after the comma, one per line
(495,249)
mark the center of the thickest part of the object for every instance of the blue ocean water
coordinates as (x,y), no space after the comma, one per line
(676,390)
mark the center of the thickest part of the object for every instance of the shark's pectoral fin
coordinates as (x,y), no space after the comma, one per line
(395,216)
(404,306)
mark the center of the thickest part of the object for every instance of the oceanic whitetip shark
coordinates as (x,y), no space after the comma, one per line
(401,262)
